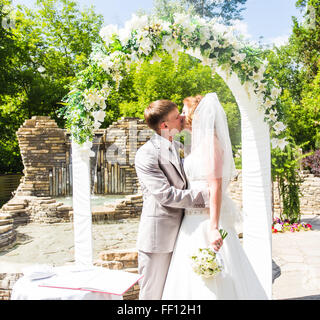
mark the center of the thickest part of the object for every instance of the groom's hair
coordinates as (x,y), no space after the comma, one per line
(157,111)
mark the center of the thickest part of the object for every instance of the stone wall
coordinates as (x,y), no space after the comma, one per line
(8,234)
(7,281)
(43,147)
(126,260)
(309,201)
(47,157)
(11,214)
(130,207)
(121,140)
(24,209)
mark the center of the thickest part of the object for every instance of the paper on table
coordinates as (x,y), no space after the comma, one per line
(101,280)
(38,271)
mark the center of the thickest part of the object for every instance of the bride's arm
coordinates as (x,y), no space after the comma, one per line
(215,191)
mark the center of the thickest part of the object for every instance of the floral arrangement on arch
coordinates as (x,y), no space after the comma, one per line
(143,38)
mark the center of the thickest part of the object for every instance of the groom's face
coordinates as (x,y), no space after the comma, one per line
(173,122)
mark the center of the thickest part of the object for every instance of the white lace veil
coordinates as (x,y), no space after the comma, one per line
(211,145)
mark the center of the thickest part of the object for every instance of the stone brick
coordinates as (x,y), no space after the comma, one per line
(113,265)
(5,228)
(118,256)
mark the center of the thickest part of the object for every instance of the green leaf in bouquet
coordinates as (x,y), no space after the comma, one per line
(223,233)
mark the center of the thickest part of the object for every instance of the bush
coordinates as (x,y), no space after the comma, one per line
(312,163)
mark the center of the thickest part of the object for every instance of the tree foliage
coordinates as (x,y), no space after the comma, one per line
(8,49)
(40,56)
(296,68)
(166,80)
(225,10)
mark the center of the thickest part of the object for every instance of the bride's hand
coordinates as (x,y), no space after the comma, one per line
(215,239)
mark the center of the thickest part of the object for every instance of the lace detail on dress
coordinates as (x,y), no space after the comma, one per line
(197,211)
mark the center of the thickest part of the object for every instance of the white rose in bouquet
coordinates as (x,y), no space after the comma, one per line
(206,262)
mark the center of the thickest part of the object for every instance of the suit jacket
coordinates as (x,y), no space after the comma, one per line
(165,194)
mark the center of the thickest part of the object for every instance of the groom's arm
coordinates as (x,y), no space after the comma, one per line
(154,180)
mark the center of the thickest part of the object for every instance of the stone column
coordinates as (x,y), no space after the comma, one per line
(43,147)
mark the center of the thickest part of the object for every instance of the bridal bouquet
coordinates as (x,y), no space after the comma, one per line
(206,262)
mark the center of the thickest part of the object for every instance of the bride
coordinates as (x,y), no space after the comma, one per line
(210,164)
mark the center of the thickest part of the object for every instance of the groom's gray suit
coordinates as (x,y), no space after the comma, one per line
(165,195)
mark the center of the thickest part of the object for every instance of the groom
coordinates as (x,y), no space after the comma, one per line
(165,195)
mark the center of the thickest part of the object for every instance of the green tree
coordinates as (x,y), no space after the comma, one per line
(52,43)
(166,80)
(226,10)
(166,8)
(8,48)
(295,66)
(56,41)
(306,37)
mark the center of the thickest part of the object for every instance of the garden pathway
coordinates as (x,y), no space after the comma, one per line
(296,263)
(296,256)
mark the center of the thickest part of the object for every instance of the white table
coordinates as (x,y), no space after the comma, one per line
(27,289)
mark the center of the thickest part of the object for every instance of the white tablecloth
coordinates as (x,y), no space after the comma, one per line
(110,281)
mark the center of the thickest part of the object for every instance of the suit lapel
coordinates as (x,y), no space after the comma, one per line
(168,152)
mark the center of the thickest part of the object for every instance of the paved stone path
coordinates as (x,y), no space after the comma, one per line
(54,243)
(296,263)
(296,256)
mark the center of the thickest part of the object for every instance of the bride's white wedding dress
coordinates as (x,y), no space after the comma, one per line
(238,281)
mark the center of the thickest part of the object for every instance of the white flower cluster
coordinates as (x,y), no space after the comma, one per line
(95,105)
(137,23)
(185,22)
(111,63)
(279,143)
(85,149)
(267,105)
(107,32)
(93,98)
(205,263)
(278,227)
(149,34)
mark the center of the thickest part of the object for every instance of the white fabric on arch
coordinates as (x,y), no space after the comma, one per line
(82,218)
(256,181)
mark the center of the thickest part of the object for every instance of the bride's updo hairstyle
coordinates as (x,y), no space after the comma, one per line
(191,103)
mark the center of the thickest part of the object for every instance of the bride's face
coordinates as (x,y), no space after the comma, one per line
(185,113)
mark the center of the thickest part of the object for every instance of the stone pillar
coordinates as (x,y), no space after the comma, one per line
(43,147)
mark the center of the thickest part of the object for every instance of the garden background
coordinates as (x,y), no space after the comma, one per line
(43,47)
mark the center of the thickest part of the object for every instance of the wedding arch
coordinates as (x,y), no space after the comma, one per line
(239,64)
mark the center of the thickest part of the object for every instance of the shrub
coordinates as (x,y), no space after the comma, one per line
(312,163)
